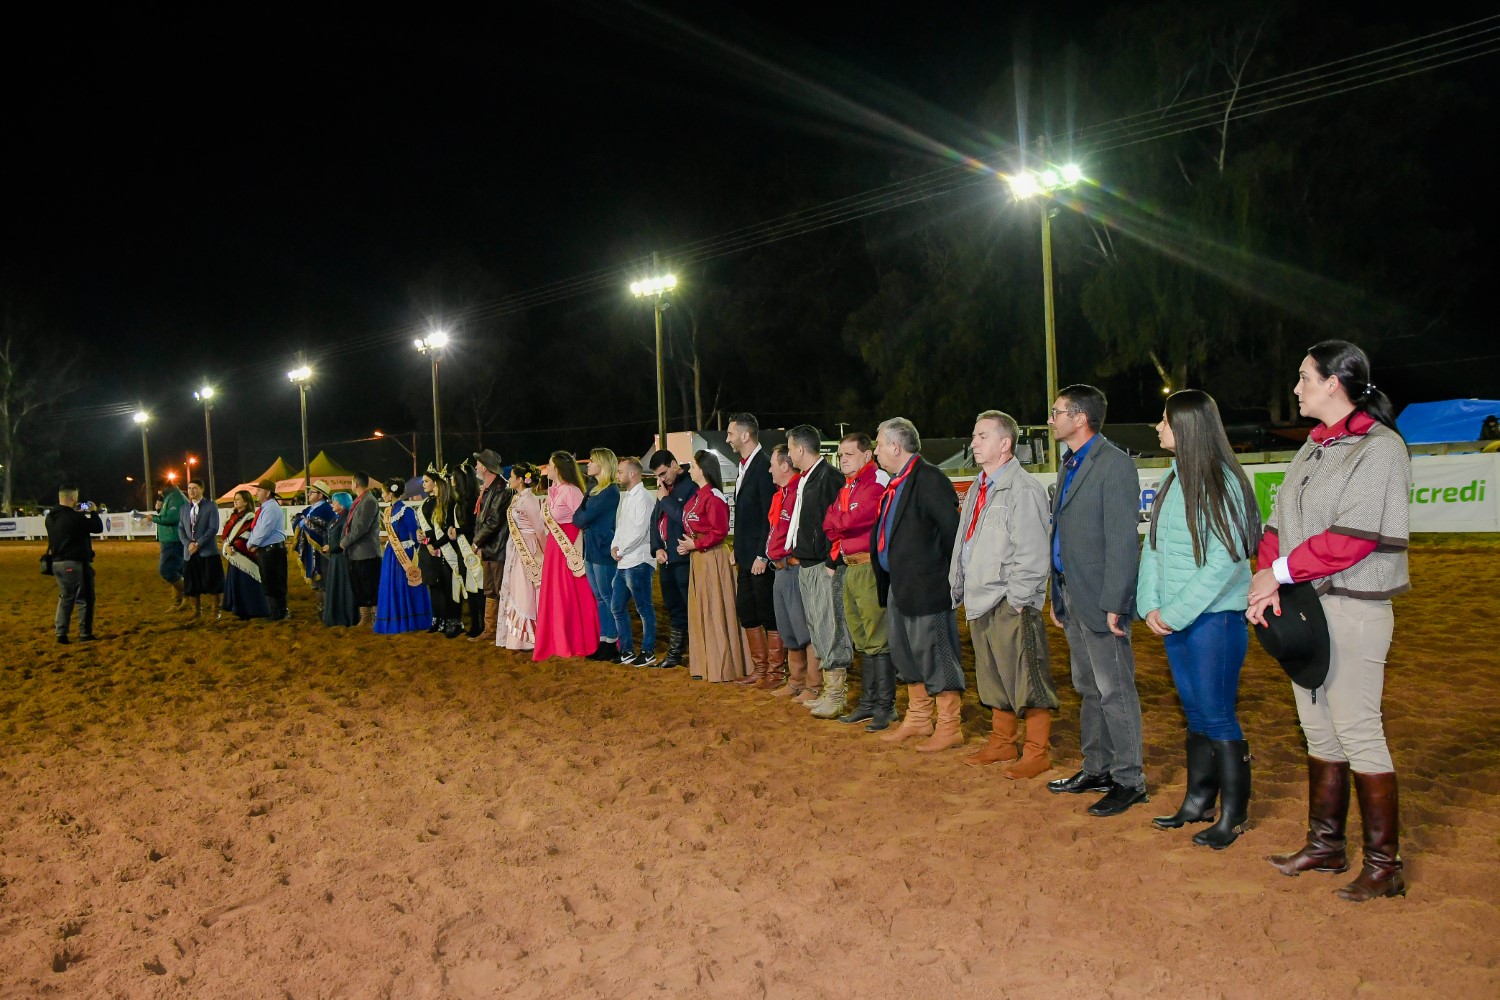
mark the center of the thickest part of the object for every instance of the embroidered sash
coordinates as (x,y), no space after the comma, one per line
(449,556)
(523,551)
(398,546)
(570,553)
(238,559)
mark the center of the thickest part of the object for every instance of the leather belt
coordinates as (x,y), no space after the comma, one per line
(778,563)
(856,558)
(793,561)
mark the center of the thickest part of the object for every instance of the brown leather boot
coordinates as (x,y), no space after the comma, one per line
(948,733)
(918,718)
(1034,759)
(796,670)
(812,681)
(1327,815)
(1380,875)
(1002,742)
(491,617)
(366,617)
(775,662)
(755,638)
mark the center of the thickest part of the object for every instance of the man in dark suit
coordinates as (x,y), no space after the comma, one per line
(912,541)
(754,601)
(1095,554)
(361,543)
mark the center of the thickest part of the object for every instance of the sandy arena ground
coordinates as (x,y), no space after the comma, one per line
(247,811)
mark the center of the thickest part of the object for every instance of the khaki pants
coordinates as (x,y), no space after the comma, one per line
(1344,723)
(862,610)
(1011,665)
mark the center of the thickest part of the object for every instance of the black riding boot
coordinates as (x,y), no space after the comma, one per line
(1232,762)
(883,701)
(1202,786)
(866,707)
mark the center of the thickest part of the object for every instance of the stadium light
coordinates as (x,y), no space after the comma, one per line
(655,288)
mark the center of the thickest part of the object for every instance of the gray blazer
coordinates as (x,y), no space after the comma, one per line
(1101,548)
(362,534)
(1011,549)
(205,532)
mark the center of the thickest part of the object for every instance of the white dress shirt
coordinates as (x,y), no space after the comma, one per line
(633,526)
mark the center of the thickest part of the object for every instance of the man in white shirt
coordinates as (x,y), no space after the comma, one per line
(631,548)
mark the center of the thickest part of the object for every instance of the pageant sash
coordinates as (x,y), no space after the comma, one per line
(398,546)
(570,553)
(523,551)
(455,576)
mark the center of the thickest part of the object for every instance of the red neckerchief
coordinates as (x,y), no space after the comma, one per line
(479,501)
(889,497)
(984,489)
(1357,423)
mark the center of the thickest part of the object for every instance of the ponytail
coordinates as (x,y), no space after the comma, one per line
(1351,366)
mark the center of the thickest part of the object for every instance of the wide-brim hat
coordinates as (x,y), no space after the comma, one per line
(269,485)
(321,485)
(490,459)
(1298,637)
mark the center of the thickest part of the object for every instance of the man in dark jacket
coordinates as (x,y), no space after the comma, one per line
(1095,556)
(491,532)
(361,542)
(754,601)
(912,543)
(673,490)
(72,552)
(821,585)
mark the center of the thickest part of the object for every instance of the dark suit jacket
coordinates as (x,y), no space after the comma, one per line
(361,534)
(822,489)
(1101,549)
(205,533)
(752,509)
(919,545)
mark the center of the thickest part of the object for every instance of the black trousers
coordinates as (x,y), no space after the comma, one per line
(272,562)
(754,598)
(475,603)
(674,593)
(364,575)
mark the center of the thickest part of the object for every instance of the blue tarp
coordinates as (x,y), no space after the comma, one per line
(1449,420)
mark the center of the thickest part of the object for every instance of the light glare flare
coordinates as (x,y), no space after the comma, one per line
(300,374)
(140,416)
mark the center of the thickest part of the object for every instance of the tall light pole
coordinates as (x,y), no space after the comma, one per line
(432,345)
(141,417)
(1041,184)
(656,288)
(412,451)
(301,377)
(205,396)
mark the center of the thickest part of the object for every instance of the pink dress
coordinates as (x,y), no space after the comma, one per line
(517,628)
(567,617)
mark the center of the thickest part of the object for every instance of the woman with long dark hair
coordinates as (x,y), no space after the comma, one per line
(1341,523)
(437,557)
(243,595)
(567,622)
(717,649)
(461,533)
(1194,577)
(523,561)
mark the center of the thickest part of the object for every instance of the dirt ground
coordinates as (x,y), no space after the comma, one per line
(286,811)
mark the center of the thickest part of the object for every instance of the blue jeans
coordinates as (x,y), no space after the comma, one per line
(1206,658)
(634,584)
(602,583)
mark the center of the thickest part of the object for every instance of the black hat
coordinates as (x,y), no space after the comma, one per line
(490,459)
(1298,637)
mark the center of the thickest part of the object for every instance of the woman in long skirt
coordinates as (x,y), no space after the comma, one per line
(717,650)
(243,596)
(567,619)
(523,562)
(434,518)
(402,604)
(338,586)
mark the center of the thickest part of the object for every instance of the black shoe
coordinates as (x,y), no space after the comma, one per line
(436,626)
(627,659)
(1080,783)
(453,629)
(63,640)
(1117,800)
(88,638)
(606,653)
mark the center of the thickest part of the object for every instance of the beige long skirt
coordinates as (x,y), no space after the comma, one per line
(717,649)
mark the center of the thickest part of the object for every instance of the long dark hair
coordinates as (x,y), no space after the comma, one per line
(1208,474)
(567,468)
(442,500)
(1351,366)
(708,461)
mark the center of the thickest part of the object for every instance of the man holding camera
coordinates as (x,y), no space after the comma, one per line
(70,555)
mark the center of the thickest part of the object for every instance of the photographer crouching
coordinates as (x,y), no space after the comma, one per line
(70,555)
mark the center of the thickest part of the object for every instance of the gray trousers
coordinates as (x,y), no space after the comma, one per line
(924,648)
(1109,721)
(791,620)
(75,587)
(823,601)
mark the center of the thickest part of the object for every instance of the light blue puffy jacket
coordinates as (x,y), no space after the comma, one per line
(1172,582)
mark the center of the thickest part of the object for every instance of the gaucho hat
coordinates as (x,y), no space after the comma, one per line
(1298,637)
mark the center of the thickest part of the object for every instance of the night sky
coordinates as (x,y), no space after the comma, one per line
(195,202)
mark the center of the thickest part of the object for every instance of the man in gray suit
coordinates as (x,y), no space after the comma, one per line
(362,544)
(1095,553)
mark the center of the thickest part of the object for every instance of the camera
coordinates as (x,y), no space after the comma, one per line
(85,507)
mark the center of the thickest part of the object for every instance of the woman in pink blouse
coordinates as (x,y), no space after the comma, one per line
(717,650)
(567,623)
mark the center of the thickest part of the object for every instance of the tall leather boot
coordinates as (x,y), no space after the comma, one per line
(755,638)
(676,650)
(885,693)
(948,733)
(796,660)
(775,662)
(366,617)
(918,721)
(1202,786)
(491,617)
(1380,875)
(1232,764)
(1327,816)
(1001,746)
(812,680)
(835,693)
(866,708)
(1034,757)
(477,605)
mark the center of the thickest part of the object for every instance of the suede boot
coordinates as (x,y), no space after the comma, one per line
(366,618)
(835,691)
(1380,875)
(885,693)
(755,638)
(1232,764)
(812,679)
(775,663)
(796,660)
(491,617)
(948,733)
(918,721)
(865,710)
(1202,786)
(1001,745)
(1327,817)
(1034,757)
